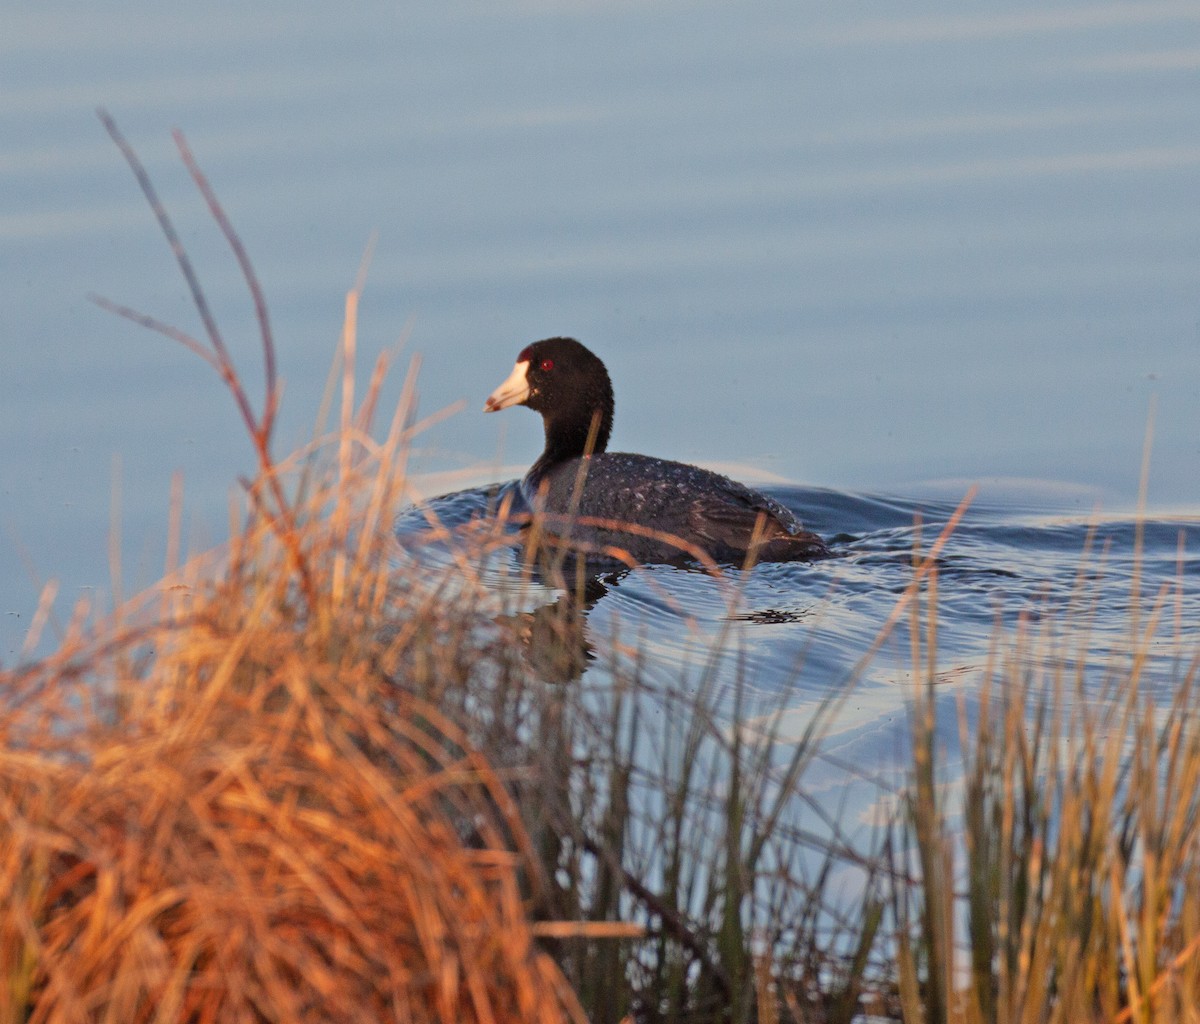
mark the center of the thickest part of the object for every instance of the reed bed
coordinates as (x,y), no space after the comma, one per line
(1058,877)
(309,777)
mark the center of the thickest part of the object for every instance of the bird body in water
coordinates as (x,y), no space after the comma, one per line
(653,510)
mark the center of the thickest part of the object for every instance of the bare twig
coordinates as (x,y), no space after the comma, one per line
(159,327)
(271,402)
(283,519)
(225,367)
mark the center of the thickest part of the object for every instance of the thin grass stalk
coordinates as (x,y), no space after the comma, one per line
(733,884)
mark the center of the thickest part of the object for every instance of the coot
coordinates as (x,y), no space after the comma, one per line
(614,499)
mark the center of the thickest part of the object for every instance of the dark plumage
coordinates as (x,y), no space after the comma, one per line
(633,494)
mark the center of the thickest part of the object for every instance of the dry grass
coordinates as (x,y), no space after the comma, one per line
(230,802)
(298,782)
(233,805)
(1060,877)
(255,832)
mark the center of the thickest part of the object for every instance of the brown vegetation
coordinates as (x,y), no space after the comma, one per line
(300,780)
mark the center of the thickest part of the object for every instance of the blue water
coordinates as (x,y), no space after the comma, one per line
(1032,582)
(865,254)
(1083,588)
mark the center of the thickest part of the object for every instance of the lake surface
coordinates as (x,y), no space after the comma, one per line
(1026,585)
(869,256)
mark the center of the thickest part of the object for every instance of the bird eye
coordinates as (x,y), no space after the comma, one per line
(547,365)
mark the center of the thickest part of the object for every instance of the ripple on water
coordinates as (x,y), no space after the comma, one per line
(798,632)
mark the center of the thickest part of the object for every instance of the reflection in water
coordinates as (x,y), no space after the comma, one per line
(553,635)
(672,674)
(801,629)
(782,646)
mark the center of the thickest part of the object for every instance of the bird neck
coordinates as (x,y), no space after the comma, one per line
(571,438)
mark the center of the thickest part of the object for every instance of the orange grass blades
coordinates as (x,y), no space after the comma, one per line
(232,800)
(289,852)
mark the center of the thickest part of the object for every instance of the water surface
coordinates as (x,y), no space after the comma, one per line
(866,251)
(1086,591)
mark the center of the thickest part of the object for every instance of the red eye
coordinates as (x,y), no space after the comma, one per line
(547,365)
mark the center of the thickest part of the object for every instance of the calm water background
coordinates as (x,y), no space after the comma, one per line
(872,250)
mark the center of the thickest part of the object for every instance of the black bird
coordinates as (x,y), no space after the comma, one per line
(626,501)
